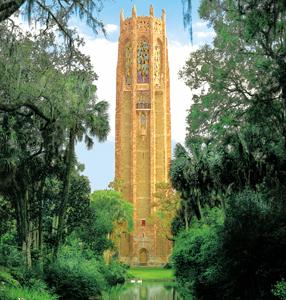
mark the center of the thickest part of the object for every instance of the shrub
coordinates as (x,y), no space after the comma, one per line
(10,256)
(279,290)
(115,273)
(10,288)
(6,278)
(195,256)
(240,258)
(76,274)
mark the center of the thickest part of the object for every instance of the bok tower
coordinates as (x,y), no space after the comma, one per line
(143,133)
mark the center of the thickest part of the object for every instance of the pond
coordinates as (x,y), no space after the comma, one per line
(144,291)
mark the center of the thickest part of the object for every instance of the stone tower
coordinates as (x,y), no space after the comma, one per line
(143,134)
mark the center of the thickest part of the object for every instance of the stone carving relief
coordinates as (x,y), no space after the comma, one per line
(143,25)
(157,64)
(143,62)
(143,100)
(158,26)
(128,63)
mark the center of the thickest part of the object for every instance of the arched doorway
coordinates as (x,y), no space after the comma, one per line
(143,257)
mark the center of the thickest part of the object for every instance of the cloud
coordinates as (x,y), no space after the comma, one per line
(103,54)
(205,34)
(181,96)
(111,28)
(199,24)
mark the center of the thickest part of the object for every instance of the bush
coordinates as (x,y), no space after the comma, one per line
(76,274)
(254,236)
(10,256)
(115,273)
(240,258)
(7,279)
(279,290)
(10,288)
(195,256)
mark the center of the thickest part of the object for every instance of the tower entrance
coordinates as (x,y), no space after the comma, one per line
(143,257)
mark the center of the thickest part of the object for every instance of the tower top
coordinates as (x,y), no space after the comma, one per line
(151,13)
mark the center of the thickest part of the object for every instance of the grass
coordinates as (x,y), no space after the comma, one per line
(12,293)
(151,274)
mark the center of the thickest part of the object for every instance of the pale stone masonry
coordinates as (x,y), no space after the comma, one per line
(143,133)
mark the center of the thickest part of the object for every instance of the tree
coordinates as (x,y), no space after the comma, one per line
(87,119)
(234,156)
(42,86)
(109,217)
(56,12)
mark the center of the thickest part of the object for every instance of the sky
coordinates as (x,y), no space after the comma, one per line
(99,162)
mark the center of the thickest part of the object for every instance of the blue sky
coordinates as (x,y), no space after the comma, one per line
(99,162)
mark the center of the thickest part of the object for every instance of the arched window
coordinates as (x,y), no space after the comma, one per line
(157,64)
(128,63)
(143,62)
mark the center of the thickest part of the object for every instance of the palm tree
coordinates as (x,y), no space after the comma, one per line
(88,119)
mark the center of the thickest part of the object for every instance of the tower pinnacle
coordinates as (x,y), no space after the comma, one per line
(134,11)
(151,10)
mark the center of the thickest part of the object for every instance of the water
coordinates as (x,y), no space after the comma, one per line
(144,291)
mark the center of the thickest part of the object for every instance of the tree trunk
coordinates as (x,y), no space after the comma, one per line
(8,7)
(186,215)
(69,162)
(23,226)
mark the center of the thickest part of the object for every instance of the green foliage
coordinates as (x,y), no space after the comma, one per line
(234,156)
(45,109)
(279,289)
(239,256)
(12,293)
(77,274)
(253,244)
(108,211)
(56,15)
(7,279)
(20,283)
(196,258)
(73,276)
(115,273)
(10,256)
(6,216)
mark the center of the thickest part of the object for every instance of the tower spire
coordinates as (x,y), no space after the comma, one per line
(134,11)
(151,10)
(163,15)
(121,15)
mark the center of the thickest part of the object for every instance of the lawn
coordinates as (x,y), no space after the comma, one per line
(151,274)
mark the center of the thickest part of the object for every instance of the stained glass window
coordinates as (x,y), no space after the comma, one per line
(128,62)
(157,64)
(143,62)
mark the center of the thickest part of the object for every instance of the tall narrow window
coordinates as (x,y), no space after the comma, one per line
(128,62)
(143,62)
